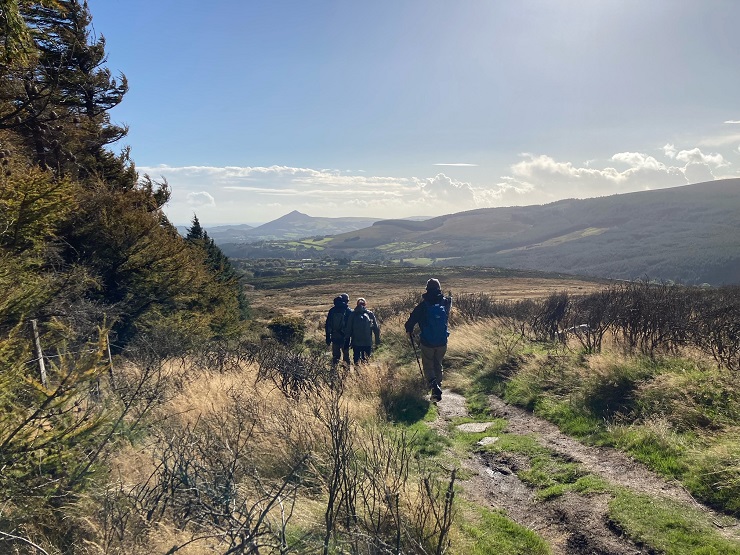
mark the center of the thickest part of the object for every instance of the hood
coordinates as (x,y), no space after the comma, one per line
(434,296)
(339,302)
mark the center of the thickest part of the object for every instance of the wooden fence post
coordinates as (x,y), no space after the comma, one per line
(39,353)
(110,361)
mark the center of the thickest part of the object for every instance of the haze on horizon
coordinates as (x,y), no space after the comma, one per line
(422,107)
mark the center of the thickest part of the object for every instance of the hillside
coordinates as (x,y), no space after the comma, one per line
(689,234)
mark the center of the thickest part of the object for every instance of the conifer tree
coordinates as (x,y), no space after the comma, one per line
(217,262)
(195,232)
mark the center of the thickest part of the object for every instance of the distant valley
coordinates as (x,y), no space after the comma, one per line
(689,234)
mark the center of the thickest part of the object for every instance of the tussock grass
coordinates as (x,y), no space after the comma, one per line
(676,415)
(482,532)
(656,444)
(714,473)
(667,526)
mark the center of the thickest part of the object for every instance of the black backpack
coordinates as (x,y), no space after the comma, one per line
(336,322)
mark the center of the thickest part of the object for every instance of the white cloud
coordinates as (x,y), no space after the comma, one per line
(638,160)
(264,193)
(732,121)
(722,140)
(696,156)
(200,198)
(545,179)
(446,188)
(254,194)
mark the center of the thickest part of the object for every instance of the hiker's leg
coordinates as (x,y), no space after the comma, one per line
(439,354)
(345,352)
(356,352)
(427,363)
(335,352)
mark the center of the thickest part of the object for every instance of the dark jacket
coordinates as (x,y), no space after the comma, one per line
(361,326)
(336,320)
(419,314)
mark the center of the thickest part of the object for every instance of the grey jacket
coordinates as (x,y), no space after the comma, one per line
(361,326)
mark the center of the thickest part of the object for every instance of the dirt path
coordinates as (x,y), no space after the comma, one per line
(572,524)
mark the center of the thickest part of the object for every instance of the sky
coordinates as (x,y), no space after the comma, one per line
(251,109)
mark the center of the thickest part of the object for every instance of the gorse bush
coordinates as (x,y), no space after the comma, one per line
(288,330)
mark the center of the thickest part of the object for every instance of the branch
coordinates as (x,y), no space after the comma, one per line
(25,540)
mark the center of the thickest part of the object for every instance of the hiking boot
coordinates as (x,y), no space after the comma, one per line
(436,392)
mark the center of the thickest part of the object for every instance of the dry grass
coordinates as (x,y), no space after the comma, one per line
(192,395)
(315,300)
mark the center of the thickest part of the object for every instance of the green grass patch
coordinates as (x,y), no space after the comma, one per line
(667,526)
(487,380)
(572,421)
(714,475)
(419,261)
(523,390)
(661,450)
(492,532)
(402,246)
(513,443)
(548,471)
(426,441)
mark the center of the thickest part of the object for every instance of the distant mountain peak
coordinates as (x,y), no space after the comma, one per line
(295,215)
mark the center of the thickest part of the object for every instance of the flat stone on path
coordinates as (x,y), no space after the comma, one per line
(474,427)
(488,440)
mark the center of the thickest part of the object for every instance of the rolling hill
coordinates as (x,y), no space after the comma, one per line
(689,234)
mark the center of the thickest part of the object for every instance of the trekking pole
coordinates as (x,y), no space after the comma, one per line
(411,338)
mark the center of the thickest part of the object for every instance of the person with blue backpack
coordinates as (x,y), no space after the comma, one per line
(334,327)
(432,315)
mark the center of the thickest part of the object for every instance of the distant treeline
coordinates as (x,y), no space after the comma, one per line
(643,317)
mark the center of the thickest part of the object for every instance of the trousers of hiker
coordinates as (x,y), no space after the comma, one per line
(431,315)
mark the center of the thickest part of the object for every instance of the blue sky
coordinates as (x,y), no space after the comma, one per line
(251,109)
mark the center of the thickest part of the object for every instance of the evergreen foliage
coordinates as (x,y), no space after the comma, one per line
(86,252)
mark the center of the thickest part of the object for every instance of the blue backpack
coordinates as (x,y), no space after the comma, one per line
(434,328)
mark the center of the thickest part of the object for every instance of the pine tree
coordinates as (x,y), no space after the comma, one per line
(195,232)
(218,263)
(60,104)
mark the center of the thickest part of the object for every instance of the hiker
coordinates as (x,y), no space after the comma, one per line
(431,314)
(360,327)
(335,321)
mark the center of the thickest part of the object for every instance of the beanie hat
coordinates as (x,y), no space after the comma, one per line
(433,285)
(344,297)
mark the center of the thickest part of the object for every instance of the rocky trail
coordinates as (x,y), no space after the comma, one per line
(572,524)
